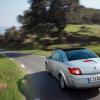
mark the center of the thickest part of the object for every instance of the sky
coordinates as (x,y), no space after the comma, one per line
(10,9)
(91,3)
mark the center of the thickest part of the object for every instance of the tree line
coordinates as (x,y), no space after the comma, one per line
(50,17)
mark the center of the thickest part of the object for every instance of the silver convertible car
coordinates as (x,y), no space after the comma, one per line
(75,68)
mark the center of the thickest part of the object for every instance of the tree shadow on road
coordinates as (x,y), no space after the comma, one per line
(16,54)
(46,87)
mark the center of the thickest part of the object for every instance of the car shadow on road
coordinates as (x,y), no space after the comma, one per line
(46,87)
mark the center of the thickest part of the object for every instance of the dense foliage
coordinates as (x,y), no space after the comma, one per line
(47,15)
(45,20)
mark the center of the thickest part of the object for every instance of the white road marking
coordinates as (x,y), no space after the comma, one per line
(22,65)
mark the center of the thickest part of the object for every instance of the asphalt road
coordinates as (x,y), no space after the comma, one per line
(41,86)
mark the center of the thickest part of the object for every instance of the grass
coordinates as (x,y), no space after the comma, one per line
(72,28)
(38,52)
(82,30)
(78,34)
(91,30)
(95,48)
(10,73)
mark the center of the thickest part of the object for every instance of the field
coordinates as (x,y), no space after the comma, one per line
(90,31)
(78,36)
(10,73)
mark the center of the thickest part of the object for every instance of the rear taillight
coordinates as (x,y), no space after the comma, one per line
(88,61)
(75,71)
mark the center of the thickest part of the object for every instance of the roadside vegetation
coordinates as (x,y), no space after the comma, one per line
(75,35)
(83,35)
(10,73)
(53,24)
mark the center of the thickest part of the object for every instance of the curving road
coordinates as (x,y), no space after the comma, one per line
(41,86)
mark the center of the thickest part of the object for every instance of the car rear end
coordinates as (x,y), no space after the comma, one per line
(84,81)
(84,73)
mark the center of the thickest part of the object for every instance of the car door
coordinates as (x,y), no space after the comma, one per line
(58,63)
(51,62)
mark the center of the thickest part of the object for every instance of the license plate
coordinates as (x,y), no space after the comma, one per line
(93,79)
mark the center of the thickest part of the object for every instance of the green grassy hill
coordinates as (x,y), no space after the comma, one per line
(10,73)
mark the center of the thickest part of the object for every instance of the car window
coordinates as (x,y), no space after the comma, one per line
(60,58)
(80,54)
(57,56)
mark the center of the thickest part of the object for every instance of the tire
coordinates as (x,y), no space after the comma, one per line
(62,83)
(47,70)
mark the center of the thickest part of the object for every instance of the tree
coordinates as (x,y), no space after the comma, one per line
(45,15)
(96,18)
(12,34)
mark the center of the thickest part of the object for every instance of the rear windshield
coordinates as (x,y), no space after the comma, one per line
(80,54)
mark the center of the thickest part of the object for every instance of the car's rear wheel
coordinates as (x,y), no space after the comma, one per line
(62,82)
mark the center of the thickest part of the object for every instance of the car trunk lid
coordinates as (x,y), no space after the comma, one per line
(87,66)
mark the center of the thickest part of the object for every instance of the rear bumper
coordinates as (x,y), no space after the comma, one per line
(82,81)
